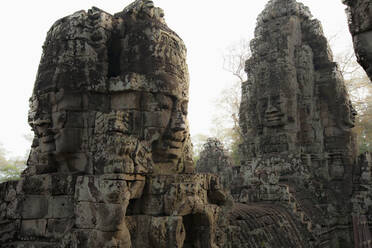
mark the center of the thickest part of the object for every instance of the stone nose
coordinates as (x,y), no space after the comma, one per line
(271,109)
(178,122)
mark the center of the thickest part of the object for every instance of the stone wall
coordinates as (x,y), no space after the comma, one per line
(117,210)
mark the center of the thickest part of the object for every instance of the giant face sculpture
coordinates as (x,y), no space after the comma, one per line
(119,107)
(155,119)
(271,113)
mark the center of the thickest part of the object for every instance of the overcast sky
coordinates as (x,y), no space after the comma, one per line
(207,27)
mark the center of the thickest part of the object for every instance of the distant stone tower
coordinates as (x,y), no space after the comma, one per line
(296,118)
(214,158)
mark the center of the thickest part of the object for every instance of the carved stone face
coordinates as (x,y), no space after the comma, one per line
(168,149)
(350,114)
(155,118)
(270,111)
(113,117)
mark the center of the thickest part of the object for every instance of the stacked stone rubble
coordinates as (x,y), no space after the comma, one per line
(111,162)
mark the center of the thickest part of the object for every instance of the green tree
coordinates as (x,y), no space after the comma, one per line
(226,119)
(360,91)
(10,169)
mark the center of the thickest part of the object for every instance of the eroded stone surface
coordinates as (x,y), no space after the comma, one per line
(214,158)
(360,24)
(296,118)
(111,96)
(111,162)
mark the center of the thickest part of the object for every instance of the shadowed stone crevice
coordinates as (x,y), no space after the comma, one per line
(197,229)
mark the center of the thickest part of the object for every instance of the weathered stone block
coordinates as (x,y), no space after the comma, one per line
(156,119)
(136,189)
(61,207)
(98,239)
(98,189)
(69,101)
(97,101)
(37,185)
(58,228)
(152,205)
(35,207)
(75,119)
(8,230)
(76,163)
(63,184)
(33,228)
(69,141)
(147,231)
(126,101)
(102,216)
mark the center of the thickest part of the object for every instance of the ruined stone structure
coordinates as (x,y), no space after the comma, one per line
(111,163)
(360,25)
(296,118)
(299,157)
(214,158)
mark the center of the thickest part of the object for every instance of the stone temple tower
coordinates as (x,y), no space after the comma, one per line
(297,120)
(111,162)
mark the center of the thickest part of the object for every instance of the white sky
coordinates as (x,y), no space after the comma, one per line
(206,26)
